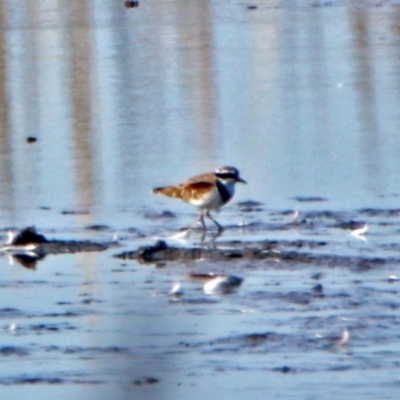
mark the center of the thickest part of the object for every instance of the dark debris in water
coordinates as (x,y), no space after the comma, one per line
(35,380)
(378,212)
(163,215)
(48,380)
(285,369)
(8,312)
(75,212)
(97,350)
(28,236)
(131,4)
(270,341)
(97,227)
(31,139)
(351,224)
(251,341)
(7,351)
(148,380)
(254,339)
(310,199)
(46,328)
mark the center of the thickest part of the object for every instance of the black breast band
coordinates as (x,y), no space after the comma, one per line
(225,195)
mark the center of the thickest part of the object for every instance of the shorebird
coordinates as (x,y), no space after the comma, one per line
(208,192)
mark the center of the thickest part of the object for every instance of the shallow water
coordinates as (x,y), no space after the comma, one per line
(301,96)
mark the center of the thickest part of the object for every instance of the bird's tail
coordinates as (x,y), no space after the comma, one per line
(170,191)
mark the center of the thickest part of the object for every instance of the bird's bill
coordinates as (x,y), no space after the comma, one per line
(239,179)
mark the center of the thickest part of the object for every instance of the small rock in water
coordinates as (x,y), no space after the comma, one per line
(392,279)
(149,380)
(357,227)
(26,236)
(285,369)
(12,328)
(131,4)
(339,340)
(317,276)
(318,290)
(343,339)
(222,284)
(176,290)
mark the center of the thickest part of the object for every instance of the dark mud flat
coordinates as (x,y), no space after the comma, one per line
(323,231)
(296,252)
(56,247)
(43,245)
(316,313)
(316,302)
(304,285)
(72,246)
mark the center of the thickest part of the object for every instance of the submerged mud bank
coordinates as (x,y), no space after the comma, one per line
(71,246)
(299,251)
(28,239)
(359,240)
(287,300)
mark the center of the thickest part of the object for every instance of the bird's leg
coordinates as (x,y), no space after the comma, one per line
(203,224)
(201,220)
(220,227)
(191,227)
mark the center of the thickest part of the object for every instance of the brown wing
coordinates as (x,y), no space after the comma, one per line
(196,190)
(210,177)
(192,189)
(186,191)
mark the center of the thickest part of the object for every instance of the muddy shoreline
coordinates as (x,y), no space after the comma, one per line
(264,298)
(324,238)
(297,252)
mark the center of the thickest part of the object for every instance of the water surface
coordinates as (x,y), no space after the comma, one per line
(302,96)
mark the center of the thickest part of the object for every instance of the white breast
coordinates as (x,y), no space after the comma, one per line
(210,201)
(214,200)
